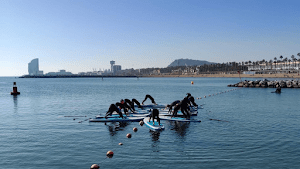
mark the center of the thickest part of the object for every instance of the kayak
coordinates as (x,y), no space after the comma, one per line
(117,119)
(156,126)
(177,119)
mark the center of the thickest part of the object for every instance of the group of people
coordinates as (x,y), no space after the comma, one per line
(126,105)
(183,105)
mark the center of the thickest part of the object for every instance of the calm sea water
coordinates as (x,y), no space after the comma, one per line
(257,128)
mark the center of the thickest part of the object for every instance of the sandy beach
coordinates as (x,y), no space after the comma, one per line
(282,75)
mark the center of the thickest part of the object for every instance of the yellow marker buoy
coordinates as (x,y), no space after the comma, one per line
(192,82)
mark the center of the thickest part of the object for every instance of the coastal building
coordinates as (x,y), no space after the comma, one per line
(60,73)
(116,68)
(33,68)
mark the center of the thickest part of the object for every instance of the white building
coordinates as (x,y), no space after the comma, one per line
(33,68)
(116,68)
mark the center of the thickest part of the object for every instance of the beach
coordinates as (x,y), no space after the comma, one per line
(281,75)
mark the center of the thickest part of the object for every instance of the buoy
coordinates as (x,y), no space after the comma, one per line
(135,129)
(120,144)
(192,82)
(200,98)
(128,135)
(95,166)
(204,96)
(110,154)
(15,90)
(141,123)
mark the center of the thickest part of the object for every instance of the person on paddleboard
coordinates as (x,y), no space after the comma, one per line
(155,115)
(131,103)
(150,97)
(191,99)
(113,108)
(170,106)
(183,106)
(124,106)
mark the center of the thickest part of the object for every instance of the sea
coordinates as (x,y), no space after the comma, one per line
(47,126)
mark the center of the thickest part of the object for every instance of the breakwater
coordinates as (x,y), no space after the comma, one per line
(266,83)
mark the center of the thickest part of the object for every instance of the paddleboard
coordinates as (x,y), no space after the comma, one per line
(156,126)
(117,119)
(177,119)
(152,106)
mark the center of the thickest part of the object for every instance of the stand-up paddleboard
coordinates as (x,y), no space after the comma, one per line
(151,106)
(179,114)
(117,119)
(116,116)
(156,126)
(177,119)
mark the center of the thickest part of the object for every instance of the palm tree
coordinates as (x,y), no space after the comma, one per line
(270,62)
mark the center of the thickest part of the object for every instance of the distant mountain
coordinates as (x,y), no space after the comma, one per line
(189,62)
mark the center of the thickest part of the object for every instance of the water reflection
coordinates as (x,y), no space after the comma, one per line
(113,127)
(15,98)
(155,135)
(180,127)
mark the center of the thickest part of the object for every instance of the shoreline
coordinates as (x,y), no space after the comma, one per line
(282,75)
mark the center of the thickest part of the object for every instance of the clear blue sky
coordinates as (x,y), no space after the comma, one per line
(81,35)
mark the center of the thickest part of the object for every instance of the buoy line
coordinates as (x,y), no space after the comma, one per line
(205,96)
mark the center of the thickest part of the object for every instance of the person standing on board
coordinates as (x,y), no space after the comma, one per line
(170,106)
(155,115)
(150,97)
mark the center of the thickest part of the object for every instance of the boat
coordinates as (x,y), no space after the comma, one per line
(117,119)
(180,119)
(155,127)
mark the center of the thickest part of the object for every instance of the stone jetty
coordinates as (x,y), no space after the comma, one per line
(266,83)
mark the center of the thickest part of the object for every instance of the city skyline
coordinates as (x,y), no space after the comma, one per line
(80,36)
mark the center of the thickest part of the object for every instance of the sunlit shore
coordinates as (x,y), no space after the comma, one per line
(281,75)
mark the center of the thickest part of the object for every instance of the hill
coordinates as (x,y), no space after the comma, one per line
(189,62)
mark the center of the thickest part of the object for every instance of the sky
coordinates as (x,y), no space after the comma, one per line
(85,35)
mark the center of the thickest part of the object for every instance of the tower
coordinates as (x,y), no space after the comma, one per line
(33,67)
(112,63)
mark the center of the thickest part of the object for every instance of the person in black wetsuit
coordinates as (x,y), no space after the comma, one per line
(155,115)
(121,105)
(150,97)
(191,100)
(170,106)
(131,103)
(113,108)
(278,90)
(183,106)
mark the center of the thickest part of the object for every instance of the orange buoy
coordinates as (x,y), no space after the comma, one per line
(95,166)
(141,123)
(135,129)
(110,154)
(128,135)
(15,90)
(192,82)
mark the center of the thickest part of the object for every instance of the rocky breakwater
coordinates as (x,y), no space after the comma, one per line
(266,83)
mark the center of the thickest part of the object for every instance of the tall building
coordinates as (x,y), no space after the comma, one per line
(116,68)
(33,67)
(112,63)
